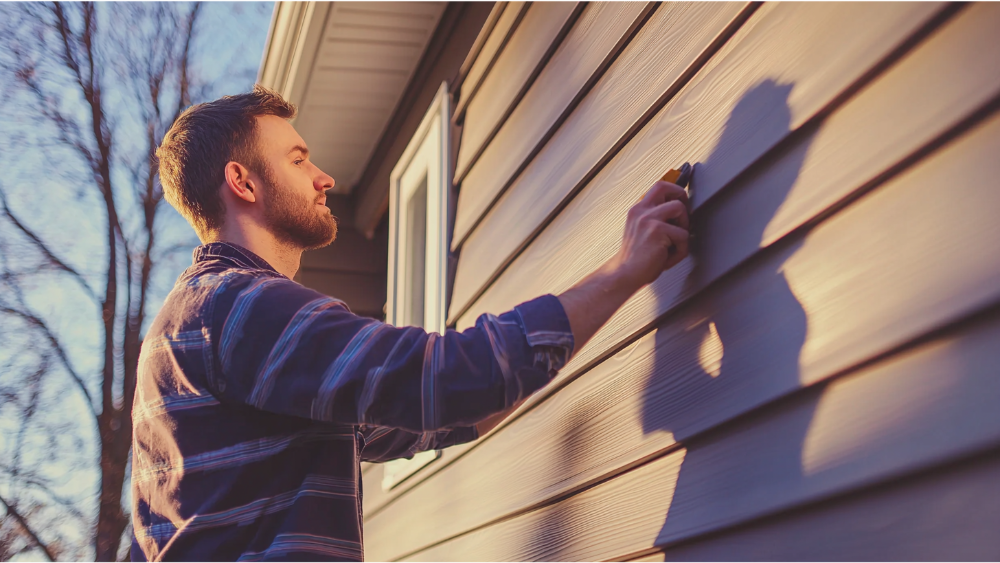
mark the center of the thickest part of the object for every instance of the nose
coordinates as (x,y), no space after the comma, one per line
(323,181)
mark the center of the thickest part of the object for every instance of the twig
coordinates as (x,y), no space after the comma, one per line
(33,319)
(55,260)
(27,529)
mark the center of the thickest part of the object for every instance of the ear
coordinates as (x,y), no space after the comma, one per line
(239,183)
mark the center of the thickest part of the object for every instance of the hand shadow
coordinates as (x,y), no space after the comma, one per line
(734,346)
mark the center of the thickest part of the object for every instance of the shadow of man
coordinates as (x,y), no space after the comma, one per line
(734,346)
(719,355)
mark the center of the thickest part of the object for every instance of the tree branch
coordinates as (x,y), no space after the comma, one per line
(35,483)
(66,33)
(38,323)
(27,529)
(184,99)
(56,261)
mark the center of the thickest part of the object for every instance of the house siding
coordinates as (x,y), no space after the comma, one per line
(818,379)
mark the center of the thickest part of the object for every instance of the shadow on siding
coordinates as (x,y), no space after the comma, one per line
(708,361)
(740,346)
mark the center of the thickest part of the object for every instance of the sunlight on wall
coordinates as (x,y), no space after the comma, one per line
(861,418)
(868,278)
(711,351)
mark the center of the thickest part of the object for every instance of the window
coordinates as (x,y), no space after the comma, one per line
(418,243)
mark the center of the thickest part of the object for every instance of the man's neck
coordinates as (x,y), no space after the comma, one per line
(282,257)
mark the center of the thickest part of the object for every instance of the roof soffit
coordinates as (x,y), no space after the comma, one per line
(346,65)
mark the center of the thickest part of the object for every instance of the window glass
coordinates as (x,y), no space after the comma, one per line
(415,244)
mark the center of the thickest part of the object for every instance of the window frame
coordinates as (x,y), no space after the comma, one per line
(415,164)
(426,157)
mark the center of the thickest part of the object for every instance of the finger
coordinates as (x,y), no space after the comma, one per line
(673,212)
(678,236)
(671,237)
(680,240)
(656,194)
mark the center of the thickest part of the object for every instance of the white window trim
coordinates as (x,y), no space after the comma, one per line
(426,156)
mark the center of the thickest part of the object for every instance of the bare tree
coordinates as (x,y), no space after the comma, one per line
(95,88)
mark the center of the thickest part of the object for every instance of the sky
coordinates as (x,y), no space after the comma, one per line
(42,187)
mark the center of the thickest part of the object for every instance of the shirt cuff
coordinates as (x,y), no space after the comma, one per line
(546,324)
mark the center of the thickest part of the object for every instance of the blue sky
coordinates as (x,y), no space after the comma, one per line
(55,198)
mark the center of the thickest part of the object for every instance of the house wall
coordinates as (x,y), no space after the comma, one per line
(817,381)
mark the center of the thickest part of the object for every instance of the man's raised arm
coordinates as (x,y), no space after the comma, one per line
(283,348)
(655,239)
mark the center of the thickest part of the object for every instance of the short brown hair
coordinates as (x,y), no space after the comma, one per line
(194,152)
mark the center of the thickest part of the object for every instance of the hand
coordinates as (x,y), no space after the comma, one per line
(656,234)
(656,238)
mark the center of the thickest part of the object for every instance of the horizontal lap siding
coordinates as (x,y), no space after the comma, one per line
(934,516)
(896,418)
(783,50)
(592,43)
(822,343)
(660,390)
(870,134)
(515,67)
(677,39)
(510,16)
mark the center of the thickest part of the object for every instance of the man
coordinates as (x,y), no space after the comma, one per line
(257,397)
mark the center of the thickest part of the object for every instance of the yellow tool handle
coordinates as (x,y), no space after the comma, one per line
(671,176)
(681,176)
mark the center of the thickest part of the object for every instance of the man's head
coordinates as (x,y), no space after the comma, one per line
(238,159)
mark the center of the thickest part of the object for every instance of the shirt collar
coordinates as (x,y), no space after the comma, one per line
(232,253)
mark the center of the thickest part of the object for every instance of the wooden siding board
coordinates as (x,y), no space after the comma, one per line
(908,414)
(374,497)
(598,34)
(850,148)
(935,516)
(873,123)
(499,36)
(780,60)
(670,47)
(676,40)
(539,33)
(485,32)
(817,309)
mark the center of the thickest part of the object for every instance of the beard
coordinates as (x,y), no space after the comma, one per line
(295,220)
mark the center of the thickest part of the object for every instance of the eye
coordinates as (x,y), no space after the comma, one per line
(299,161)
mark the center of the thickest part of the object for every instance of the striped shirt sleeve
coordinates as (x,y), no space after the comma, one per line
(284,348)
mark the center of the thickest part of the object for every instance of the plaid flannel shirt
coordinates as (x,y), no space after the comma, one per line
(257,399)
